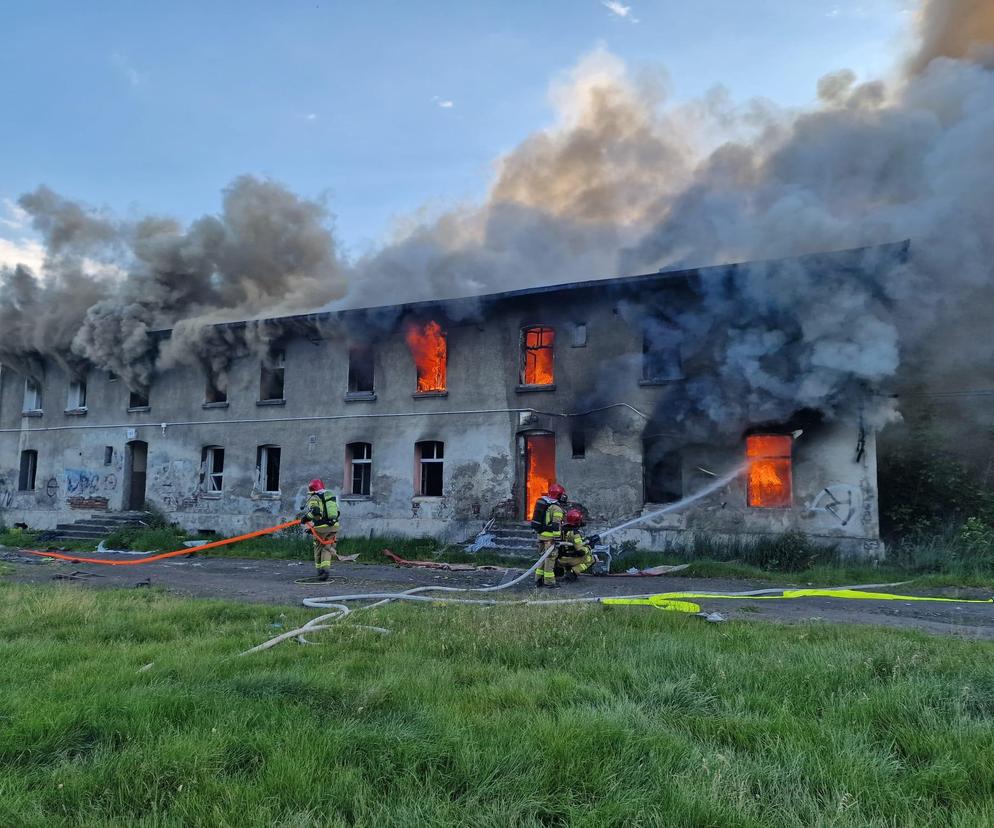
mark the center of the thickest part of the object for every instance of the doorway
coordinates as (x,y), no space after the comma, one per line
(135,469)
(540,467)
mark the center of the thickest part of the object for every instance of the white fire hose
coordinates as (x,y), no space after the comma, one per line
(337,603)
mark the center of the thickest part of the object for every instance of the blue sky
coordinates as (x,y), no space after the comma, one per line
(383,106)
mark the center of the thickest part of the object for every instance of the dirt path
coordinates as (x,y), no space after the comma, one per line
(272,582)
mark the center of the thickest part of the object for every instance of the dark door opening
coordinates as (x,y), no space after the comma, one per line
(135,469)
(662,470)
(540,468)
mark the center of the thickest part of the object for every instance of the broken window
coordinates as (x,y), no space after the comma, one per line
(360,370)
(28,472)
(537,356)
(359,458)
(215,392)
(662,471)
(267,469)
(661,353)
(578,440)
(428,455)
(272,376)
(76,400)
(430,352)
(32,395)
(769,458)
(212,465)
(138,399)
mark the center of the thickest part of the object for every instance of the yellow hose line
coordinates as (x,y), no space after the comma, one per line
(677,601)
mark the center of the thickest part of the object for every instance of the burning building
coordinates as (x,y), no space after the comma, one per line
(432,417)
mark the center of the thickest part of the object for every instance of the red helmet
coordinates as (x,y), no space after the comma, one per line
(574,517)
(315,485)
(557,492)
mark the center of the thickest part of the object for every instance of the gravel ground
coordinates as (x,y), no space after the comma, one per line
(272,582)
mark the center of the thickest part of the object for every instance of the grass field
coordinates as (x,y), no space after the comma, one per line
(466,716)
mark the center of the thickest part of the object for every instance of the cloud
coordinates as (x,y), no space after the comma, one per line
(311,116)
(619,9)
(443,103)
(22,251)
(13,215)
(125,67)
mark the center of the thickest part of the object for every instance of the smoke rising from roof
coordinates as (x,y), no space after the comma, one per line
(622,182)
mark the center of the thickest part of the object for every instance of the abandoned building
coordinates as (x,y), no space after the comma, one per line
(430,419)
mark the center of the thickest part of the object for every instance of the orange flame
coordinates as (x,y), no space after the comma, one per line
(538,356)
(541,453)
(769,470)
(428,348)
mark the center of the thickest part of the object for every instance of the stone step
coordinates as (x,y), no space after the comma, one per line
(75,534)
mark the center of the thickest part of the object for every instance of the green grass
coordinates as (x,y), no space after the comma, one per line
(464,716)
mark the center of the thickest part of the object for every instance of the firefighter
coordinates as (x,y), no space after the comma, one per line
(571,554)
(547,520)
(321,516)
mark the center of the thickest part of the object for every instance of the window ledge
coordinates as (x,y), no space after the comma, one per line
(215,405)
(76,412)
(211,495)
(270,402)
(360,396)
(36,412)
(426,498)
(422,394)
(140,409)
(650,382)
(354,498)
(267,495)
(525,389)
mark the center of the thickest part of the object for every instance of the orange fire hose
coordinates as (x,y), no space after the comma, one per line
(323,542)
(148,559)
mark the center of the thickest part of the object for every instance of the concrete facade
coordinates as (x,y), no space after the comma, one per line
(87,460)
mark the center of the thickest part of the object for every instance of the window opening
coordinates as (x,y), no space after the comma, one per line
(29,471)
(769,458)
(430,455)
(579,335)
(32,395)
(579,442)
(662,471)
(360,370)
(108,455)
(212,461)
(77,395)
(271,382)
(138,399)
(214,392)
(430,352)
(267,462)
(661,353)
(360,460)
(537,356)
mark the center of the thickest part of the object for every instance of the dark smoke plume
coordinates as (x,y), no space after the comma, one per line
(622,183)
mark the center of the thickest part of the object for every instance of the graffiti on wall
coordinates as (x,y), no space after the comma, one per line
(6,493)
(838,500)
(175,485)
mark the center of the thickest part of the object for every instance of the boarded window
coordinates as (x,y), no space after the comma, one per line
(769,458)
(537,356)
(360,370)
(29,471)
(359,458)
(267,463)
(212,463)
(429,455)
(32,395)
(138,399)
(579,335)
(662,471)
(271,380)
(76,400)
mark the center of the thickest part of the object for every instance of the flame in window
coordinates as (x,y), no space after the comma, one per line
(769,459)
(538,356)
(427,344)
